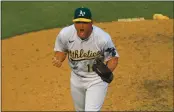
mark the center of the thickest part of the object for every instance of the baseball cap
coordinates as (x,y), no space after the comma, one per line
(82,14)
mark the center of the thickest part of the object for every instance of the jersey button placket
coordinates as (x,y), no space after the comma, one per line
(81,44)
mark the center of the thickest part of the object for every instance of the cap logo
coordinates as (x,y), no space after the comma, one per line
(81,13)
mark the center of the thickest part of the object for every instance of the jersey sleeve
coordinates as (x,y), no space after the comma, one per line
(109,49)
(60,44)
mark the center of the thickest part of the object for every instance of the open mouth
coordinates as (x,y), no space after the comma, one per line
(82,30)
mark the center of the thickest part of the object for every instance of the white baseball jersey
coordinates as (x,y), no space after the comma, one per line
(81,53)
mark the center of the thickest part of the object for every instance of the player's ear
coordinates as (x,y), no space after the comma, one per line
(91,21)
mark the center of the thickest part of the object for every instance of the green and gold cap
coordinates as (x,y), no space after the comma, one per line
(82,14)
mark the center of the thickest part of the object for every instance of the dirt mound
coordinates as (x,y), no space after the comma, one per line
(143,79)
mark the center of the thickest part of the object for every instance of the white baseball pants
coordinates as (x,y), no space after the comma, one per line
(87,98)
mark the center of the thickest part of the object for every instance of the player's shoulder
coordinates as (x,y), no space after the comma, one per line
(101,35)
(67,31)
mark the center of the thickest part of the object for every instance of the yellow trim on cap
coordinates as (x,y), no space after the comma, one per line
(82,19)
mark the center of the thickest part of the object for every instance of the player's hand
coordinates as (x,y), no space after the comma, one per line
(56,62)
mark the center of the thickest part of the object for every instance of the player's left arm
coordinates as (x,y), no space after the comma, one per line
(111,54)
(112,63)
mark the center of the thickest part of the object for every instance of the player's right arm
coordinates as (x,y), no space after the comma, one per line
(58,59)
(60,50)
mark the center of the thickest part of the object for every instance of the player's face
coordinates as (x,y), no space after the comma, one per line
(84,29)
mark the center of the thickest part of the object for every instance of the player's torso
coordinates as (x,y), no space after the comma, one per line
(82,49)
(81,53)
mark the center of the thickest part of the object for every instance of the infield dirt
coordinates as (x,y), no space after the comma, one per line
(143,79)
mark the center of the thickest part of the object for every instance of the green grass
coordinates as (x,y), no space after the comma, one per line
(21,17)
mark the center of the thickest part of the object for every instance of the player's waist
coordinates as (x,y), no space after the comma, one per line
(83,74)
(86,82)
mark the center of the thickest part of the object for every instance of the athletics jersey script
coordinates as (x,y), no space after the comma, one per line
(81,53)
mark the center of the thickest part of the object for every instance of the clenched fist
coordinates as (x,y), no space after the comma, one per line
(56,62)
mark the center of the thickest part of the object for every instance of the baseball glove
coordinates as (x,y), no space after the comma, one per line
(103,71)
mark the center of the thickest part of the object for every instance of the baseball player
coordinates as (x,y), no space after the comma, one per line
(92,57)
